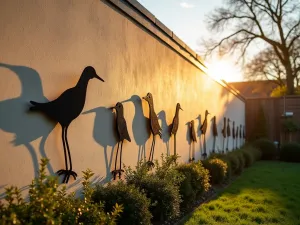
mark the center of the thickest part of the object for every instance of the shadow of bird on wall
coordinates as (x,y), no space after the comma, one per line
(140,126)
(15,118)
(104,133)
(166,129)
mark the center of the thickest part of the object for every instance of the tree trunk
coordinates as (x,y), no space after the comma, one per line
(289,80)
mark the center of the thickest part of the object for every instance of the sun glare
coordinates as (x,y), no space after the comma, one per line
(224,70)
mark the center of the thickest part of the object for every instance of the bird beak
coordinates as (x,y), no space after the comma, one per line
(180,108)
(144,97)
(99,78)
(112,108)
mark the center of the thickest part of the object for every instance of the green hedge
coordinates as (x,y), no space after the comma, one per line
(136,204)
(267,148)
(49,205)
(217,169)
(290,152)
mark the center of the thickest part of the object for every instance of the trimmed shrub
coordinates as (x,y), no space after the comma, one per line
(254,151)
(48,205)
(241,161)
(195,182)
(248,157)
(217,169)
(164,195)
(290,152)
(136,204)
(267,148)
(226,159)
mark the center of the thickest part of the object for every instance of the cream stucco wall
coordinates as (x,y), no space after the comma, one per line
(44,47)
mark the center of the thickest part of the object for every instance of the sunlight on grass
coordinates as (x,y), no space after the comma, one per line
(267,193)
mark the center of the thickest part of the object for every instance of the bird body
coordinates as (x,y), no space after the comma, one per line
(203,127)
(175,122)
(65,109)
(154,126)
(123,135)
(224,128)
(193,132)
(215,130)
(121,123)
(228,128)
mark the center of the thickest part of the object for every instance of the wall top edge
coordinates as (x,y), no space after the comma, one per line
(147,15)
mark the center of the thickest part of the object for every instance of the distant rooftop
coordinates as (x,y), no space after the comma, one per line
(254,89)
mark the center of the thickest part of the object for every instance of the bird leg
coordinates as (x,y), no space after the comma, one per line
(223,145)
(227,144)
(114,172)
(120,170)
(204,147)
(67,172)
(60,172)
(174,144)
(70,171)
(150,163)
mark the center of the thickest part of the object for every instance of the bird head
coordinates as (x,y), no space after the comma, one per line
(90,73)
(148,97)
(206,112)
(118,107)
(192,122)
(178,106)
(228,120)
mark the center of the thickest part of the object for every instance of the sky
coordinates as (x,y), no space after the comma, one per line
(186,19)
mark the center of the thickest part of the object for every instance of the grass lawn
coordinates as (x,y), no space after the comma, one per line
(266,193)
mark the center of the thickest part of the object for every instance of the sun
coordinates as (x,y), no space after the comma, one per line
(223,69)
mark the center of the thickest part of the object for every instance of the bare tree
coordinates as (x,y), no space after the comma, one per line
(274,23)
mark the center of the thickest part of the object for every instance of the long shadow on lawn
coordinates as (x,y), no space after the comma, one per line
(266,193)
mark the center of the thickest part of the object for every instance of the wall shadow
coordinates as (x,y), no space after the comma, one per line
(104,133)
(166,130)
(189,140)
(140,126)
(15,116)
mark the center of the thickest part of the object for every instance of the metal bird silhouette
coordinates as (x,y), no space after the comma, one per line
(193,138)
(154,126)
(64,110)
(224,133)
(122,134)
(175,125)
(203,129)
(228,133)
(215,133)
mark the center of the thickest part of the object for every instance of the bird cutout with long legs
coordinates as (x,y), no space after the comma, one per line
(228,133)
(175,124)
(154,127)
(224,134)
(64,110)
(241,135)
(203,129)
(193,140)
(237,136)
(233,134)
(215,133)
(122,135)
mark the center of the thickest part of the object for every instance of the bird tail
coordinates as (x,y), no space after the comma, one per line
(35,107)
